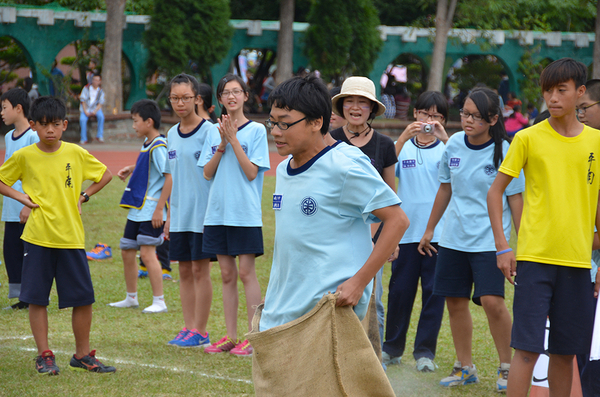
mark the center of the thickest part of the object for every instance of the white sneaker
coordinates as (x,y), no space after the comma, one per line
(502,381)
(156,308)
(390,360)
(128,302)
(425,364)
(460,376)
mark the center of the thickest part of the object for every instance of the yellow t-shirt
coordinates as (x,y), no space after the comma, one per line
(53,181)
(562,178)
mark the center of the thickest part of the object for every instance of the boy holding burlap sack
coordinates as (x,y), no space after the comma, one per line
(305,342)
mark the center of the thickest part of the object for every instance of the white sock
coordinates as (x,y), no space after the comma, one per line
(132,295)
(129,301)
(158,300)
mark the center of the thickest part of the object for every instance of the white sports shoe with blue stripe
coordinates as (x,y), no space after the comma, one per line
(460,376)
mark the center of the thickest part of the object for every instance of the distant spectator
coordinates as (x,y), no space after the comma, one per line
(504,87)
(532,112)
(268,86)
(515,122)
(56,78)
(92,99)
(387,97)
(513,100)
(402,99)
(33,93)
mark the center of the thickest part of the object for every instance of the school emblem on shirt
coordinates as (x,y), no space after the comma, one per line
(214,149)
(591,175)
(68,181)
(245,149)
(454,162)
(277,198)
(172,154)
(437,165)
(489,169)
(409,163)
(197,155)
(309,206)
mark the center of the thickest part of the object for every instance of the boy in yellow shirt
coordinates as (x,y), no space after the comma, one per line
(559,158)
(53,235)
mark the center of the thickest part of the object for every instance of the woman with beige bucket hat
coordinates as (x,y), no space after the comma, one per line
(358,104)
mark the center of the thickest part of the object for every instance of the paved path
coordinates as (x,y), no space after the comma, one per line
(119,155)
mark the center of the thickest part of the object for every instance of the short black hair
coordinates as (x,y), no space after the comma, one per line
(561,71)
(307,95)
(46,109)
(17,96)
(429,99)
(147,109)
(592,88)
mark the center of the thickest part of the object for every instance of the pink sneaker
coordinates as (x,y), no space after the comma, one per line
(222,346)
(243,349)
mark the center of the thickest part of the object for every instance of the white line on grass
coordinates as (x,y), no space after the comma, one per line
(172,369)
(15,337)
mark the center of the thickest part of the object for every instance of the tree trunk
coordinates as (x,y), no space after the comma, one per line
(111,66)
(285,44)
(443,23)
(596,64)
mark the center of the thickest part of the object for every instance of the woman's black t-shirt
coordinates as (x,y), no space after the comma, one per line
(380,149)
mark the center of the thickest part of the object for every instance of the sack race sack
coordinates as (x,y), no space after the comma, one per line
(323,353)
(371,323)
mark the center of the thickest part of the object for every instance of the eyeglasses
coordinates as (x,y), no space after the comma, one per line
(236,92)
(280,124)
(581,111)
(435,117)
(466,115)
(185,99)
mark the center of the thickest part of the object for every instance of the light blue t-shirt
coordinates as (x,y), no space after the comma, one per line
(354,153)
(322,235)
(189,194)
(417,171)
(12,208)
(233,200)
(156,181)
(470,171)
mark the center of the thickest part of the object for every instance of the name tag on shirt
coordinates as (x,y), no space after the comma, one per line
(172,154)
(277,201)
(409,163)
(214,149)
(454,161)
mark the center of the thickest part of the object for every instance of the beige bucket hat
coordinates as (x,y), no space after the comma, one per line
(361,86)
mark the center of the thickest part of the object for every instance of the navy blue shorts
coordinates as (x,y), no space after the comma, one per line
(457,271)
(137,234)
(233,240)
(187,246)
(562,294)
(13,252)
(42,265)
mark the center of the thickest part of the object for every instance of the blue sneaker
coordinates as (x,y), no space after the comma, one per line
(182,334)
(142,273)
(193,339)
(100,252)
(502,381)
(460,376)
(166,276)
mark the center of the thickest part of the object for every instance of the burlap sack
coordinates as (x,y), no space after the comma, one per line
(323,353)
(371,323)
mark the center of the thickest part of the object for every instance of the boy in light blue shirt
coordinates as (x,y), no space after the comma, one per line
(146,195)
(15,108)
(323,201)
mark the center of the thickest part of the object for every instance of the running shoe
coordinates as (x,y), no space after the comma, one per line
(90,363)
(167,276)
(460,376)
(425,364)
(18,306)
(502,381)
(243,349)
(179,336)
(46,363)
(100,252)
(389,360)
(142,273)
(223,346)
(193,339)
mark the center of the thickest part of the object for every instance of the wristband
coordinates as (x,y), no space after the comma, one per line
(220,150)
(503,251)
(86,198)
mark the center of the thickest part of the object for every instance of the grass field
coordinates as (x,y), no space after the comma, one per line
(136,343)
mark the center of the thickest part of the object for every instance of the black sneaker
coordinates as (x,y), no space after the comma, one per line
(90,363)
(17,306)
(46,363)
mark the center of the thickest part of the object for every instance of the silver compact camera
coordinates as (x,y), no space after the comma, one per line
(426,128)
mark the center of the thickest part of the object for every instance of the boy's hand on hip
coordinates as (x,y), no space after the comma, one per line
(26,201)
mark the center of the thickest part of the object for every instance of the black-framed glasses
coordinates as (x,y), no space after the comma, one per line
(280,124)
(581,111)
(426,115)
(185,99)
(466,115)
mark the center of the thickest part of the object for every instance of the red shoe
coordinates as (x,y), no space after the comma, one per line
(225,345)
(243,349)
